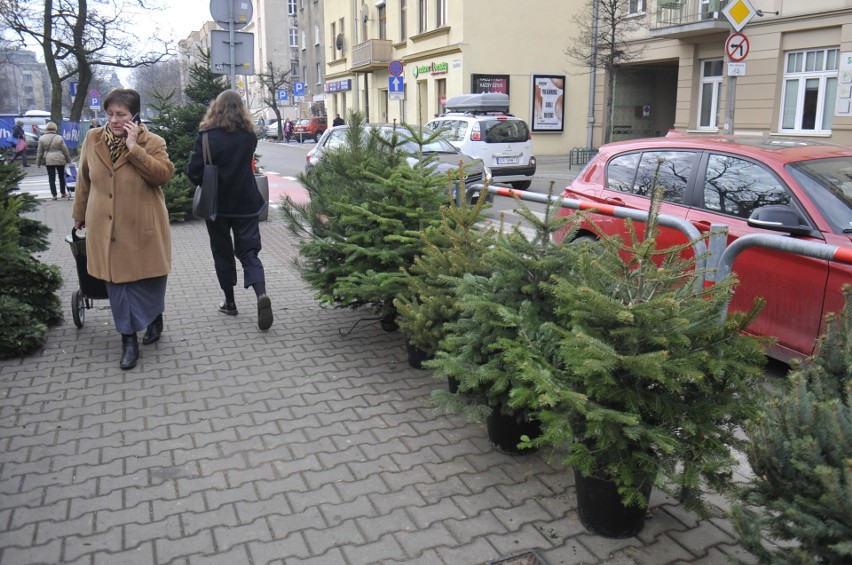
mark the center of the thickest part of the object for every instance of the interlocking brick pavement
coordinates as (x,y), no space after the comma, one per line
(311,443)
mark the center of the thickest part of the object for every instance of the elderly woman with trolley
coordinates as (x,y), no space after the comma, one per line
(121,205)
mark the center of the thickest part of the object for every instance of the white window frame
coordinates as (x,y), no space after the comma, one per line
(291,7)
(316,34)
(441,13)
(304,41)
(796,77)
(635,7)
(319,74)
(422,15)
(716,81)
(294,37)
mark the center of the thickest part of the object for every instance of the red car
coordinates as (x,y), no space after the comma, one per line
(309,128)
(725,180)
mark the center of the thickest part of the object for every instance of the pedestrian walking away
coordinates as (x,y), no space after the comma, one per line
(121,205)
(288,130)
(232,142)
(20,143)
(338,121)
(53,153)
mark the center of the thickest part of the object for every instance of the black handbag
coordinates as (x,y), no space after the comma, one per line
(206,194)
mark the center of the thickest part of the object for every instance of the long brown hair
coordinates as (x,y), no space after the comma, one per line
(228,112)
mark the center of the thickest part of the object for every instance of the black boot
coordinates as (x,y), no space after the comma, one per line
(152,334)
(129,351)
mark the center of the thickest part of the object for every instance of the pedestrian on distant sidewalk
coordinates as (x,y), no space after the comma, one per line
(232,142)
(338,121)
(288,130)
(20,143)
(53,153)
(121,205)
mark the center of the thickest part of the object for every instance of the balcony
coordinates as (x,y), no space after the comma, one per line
(371,55)
(689,18)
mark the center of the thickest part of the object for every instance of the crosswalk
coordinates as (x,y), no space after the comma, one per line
(38,186)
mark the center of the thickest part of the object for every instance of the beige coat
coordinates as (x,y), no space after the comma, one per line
(126,220)
(52,150)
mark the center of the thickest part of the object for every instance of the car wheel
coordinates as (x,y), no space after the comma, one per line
(521,184)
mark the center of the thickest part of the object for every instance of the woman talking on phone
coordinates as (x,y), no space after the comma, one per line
(121,205)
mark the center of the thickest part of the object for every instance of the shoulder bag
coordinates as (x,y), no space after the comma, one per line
(206,194)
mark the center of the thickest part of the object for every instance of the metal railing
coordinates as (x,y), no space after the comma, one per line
(683,12)
(580,155)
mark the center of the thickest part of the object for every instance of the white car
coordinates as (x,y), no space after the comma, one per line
(480,127)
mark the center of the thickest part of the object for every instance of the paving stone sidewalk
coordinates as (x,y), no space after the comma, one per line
(308,444)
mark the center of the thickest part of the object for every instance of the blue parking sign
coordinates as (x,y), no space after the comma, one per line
(281,95)
(298,88)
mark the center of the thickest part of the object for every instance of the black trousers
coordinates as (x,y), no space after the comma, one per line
(52,170)
(245,245)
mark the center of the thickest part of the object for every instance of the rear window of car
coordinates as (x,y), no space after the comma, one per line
(504,131)
(638,173)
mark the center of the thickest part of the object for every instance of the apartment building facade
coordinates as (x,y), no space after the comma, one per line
(452,47)
(796,81)
(24,84)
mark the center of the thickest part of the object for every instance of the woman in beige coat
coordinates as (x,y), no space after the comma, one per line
(121,205)
(53,152)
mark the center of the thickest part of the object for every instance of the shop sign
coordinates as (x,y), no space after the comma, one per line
(339,85)
(432,69)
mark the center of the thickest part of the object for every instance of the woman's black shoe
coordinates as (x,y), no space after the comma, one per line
(152,334)
(129,351)
(228,308)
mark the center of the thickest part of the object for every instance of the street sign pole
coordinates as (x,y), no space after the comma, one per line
(232,45)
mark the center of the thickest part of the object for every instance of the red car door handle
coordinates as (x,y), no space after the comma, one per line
(615,201)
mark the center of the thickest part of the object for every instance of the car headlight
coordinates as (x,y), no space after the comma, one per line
(486,174)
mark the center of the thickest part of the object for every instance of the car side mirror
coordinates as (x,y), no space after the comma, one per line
(779,218)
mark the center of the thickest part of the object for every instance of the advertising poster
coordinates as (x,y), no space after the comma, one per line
(843,103)
(489,83)
(548,102)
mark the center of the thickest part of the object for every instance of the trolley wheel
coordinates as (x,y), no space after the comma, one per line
(78,308)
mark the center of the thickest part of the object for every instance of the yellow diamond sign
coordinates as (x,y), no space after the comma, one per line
(739,13)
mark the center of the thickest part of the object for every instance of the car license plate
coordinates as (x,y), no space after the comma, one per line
(507,160)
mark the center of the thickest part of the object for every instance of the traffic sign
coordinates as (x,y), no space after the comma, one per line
(396,88)
(221,12)
(281,95)
(395,68)
(736,47)
(73,88)
(93,93)
(298,88)
(736,69)
(96,104)
(739,13)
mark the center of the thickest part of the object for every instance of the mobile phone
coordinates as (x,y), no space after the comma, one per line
(136,119)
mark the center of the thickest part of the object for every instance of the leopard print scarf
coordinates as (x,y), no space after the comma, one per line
(116,145)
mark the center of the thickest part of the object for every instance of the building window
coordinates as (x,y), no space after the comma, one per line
(294,69)
(441,95)
(635,7)
(333,37)
(304,42)
(294,37)
(708,95)
(291,7)
(383,22)
(442,13)
(316,34)
(423,13)
(810,87)
(319,74)
(304,74)
(301,4)
(403,15)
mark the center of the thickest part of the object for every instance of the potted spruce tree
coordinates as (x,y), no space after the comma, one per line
(497,306)
(636,378)
(362,224)
(452,248)
(799,498)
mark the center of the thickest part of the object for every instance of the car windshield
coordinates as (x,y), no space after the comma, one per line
(828,183)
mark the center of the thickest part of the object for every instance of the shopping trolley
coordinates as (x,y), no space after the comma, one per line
(90,287)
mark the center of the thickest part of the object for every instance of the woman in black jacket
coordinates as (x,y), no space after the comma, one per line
(232,141)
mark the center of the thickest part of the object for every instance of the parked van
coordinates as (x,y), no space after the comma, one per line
(480,126)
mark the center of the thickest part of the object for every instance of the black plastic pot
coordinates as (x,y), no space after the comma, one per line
(452,384)
(388,322)
(505,432)
(602,511)
(416,356)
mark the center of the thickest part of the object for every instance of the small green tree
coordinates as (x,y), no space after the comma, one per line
(800,451)
(497,303)
(28,300)
(362,225)
(451,249)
